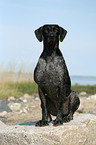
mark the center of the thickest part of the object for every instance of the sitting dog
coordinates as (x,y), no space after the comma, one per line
(53,79)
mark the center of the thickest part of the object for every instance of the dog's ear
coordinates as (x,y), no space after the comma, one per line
(38,33)
(63,33)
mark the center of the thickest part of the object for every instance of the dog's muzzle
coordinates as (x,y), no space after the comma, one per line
(51,39)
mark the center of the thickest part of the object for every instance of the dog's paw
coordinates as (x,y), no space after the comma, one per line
(41,123)
(57,122)
(67,118)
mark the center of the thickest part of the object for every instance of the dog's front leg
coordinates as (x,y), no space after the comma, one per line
(44,120)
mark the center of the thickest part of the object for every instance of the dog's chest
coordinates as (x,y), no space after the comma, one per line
(49,73)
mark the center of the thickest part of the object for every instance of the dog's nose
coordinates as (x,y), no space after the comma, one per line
(51,35)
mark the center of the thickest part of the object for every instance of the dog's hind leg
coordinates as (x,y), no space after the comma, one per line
(63,101)
(73,106)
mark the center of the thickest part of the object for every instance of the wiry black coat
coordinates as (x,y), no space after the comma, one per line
(53,79)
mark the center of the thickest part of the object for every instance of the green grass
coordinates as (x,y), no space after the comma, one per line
(82,88)
(18,89)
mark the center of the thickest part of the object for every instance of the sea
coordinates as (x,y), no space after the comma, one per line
(80,80)
(83,80)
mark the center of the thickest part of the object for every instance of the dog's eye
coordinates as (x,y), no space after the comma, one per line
(47,30)
(55,30)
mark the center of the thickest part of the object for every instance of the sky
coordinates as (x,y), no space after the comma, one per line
(20,18)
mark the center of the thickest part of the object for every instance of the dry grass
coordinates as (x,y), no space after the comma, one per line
(15,77)
(15,83)
(13,72)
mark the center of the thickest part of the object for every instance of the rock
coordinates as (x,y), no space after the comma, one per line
(4,106)
(2,124)
(23,110)
(37,98)
(20,99)
(24,100)
(89,104)
(15,106)
(11,98)
(80,131)
(82,93)
(92,112)
(81,108)
(26,96)
(92,97)
(3,113)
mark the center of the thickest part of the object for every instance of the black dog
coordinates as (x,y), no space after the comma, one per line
(53,80)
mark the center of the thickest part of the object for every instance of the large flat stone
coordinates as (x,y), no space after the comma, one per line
(80,131)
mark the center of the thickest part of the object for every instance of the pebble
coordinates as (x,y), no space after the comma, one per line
(83,94)
(26,96)
(11,98)
(92,97)
(3,113)
(37,98)
(23,111)
(93,112)
(24,101)
(15,106)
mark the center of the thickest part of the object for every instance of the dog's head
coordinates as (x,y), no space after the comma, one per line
(50,33)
